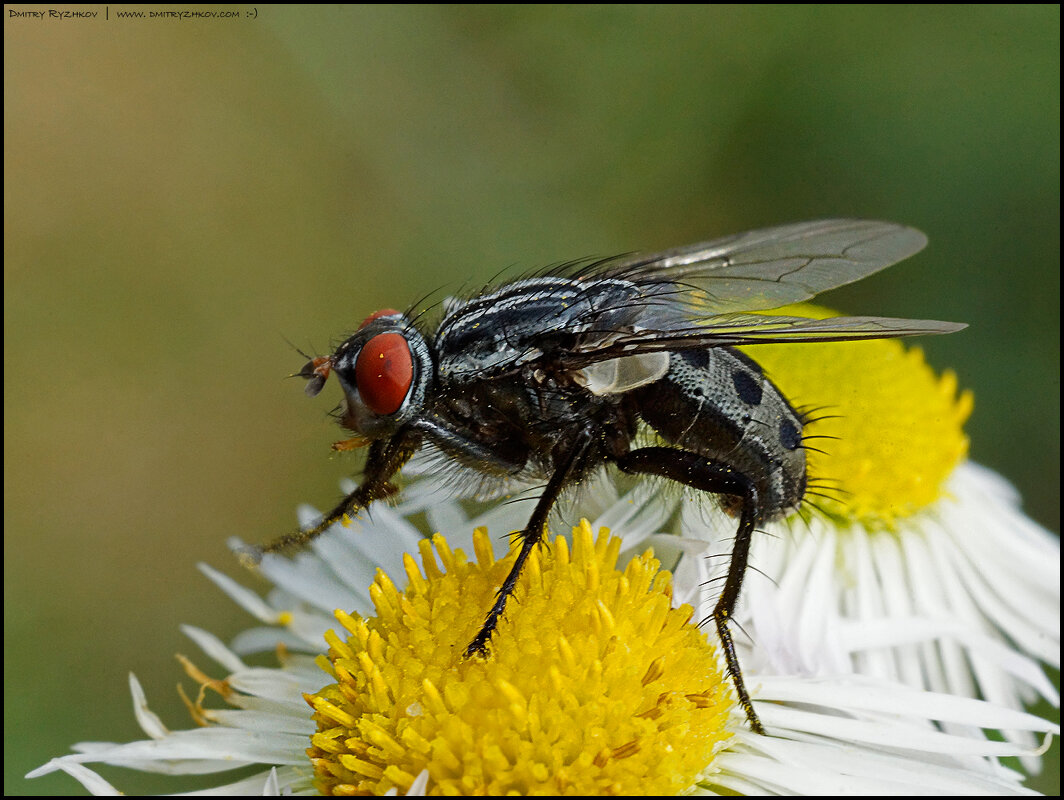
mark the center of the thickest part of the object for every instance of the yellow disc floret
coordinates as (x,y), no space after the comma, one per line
(593,684)
(889,430)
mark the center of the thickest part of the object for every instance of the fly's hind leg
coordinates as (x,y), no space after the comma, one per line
(702,473)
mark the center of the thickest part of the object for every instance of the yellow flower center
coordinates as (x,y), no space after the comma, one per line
(593,684)
(890,430)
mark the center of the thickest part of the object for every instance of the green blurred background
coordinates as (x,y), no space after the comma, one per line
(182,195)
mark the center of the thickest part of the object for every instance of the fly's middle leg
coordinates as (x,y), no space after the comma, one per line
(530,537)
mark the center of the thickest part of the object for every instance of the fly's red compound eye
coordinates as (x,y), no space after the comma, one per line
(383,372)
(384,312)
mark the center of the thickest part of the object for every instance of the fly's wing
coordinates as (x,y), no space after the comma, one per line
(701,295)
(745,329)
(767,268)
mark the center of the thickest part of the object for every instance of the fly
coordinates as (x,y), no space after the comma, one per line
(551,378)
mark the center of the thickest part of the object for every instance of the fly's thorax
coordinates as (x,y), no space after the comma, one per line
(494,333)
(720,404)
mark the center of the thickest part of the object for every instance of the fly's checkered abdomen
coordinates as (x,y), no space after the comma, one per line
(719,403)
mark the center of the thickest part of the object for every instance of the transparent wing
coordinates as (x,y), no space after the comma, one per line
(743,329)
(766,268)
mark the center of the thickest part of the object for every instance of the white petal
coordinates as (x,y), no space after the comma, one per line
(305,578)
(262,721)
(266,640)
(242,596)
(276,684)
(147,719)
(201,751)
(213,647)
(271,783)
(866,694)
(85,776)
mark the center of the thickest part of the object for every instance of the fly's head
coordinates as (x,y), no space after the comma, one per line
(385,370)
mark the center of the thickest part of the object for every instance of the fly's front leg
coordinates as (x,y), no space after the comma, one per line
(719,478)
(385,458)
(531,536)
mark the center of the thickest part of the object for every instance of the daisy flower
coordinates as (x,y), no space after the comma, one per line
(597,683)
(910,563)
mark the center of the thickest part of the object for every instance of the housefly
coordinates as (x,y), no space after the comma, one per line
(550,378)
